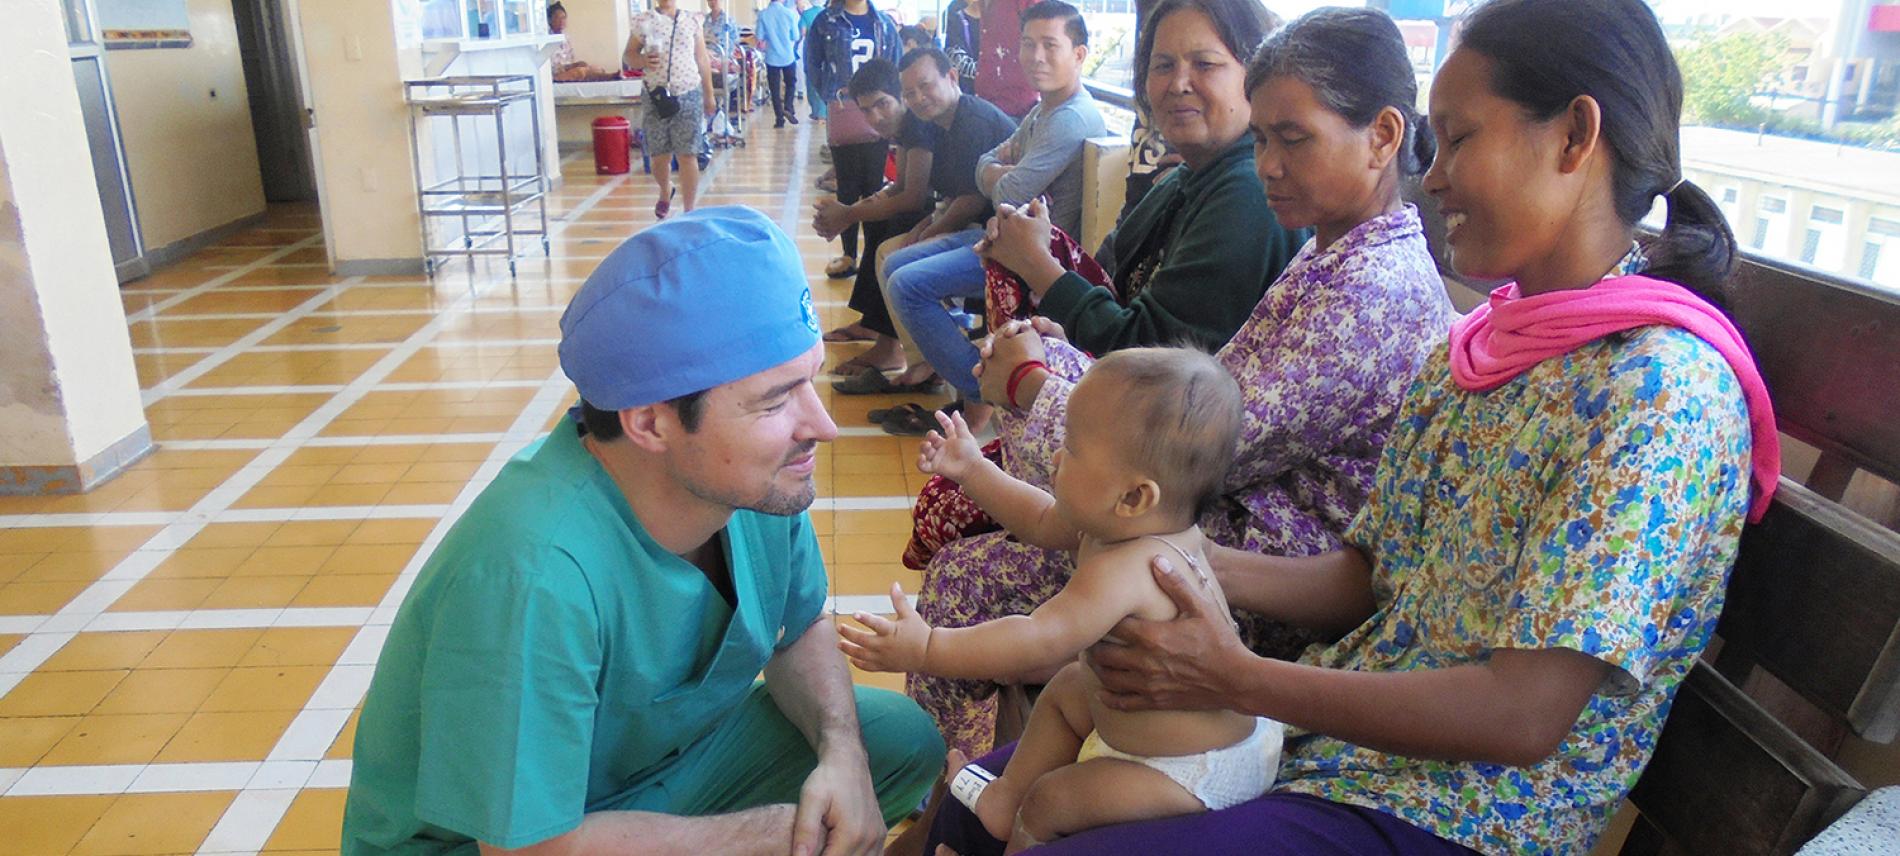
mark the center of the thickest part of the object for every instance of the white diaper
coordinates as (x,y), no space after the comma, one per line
(1219,778)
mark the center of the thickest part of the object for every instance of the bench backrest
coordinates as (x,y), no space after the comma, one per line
(1809,640)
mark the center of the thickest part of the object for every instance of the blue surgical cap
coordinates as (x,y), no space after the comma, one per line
(702,299)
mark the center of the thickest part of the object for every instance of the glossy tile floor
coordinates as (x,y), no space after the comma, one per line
(183,650)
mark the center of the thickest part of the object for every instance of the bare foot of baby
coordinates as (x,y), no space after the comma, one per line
(996,806)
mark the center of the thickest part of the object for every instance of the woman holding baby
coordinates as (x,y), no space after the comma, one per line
(1540,553)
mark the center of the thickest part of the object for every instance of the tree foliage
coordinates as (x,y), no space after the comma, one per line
(1720,74)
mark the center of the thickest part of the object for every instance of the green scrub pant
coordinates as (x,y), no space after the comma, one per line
(755,757)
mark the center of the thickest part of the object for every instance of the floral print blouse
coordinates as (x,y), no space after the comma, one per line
(1323,362)
(1593,503)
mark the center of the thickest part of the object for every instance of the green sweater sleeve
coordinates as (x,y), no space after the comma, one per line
(1227,248)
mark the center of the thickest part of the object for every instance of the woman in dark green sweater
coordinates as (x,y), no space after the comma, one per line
(1189,262)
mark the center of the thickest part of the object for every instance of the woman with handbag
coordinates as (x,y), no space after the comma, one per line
(847,34)
(669,46)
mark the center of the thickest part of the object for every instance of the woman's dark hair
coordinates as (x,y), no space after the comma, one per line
(1546,53)
(604,425)
(553,8)
(1240,24)
(875,75)
(1356,63)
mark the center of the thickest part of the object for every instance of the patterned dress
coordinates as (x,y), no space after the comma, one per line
(1323,363)
(1594,503)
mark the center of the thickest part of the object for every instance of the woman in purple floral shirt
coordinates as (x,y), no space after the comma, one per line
(1323,363)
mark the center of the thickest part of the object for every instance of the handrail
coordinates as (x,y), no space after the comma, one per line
(1108,93)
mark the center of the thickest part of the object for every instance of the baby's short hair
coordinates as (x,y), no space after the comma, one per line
(1181,416)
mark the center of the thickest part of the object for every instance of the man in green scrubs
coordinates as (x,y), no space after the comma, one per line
(577,667)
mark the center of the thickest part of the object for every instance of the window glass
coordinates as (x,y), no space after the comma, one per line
(1791,119)
(1111,41)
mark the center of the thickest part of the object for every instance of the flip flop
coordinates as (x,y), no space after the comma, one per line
(873,382)
(880,415)
(836,271)
(841,335)
(908,422)
(855,366)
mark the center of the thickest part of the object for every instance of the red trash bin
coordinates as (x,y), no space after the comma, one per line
(613,139)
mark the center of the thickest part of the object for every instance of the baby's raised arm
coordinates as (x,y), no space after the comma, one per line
(1026,511)
(1106,587)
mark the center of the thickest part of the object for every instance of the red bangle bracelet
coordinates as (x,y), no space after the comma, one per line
(1016,376)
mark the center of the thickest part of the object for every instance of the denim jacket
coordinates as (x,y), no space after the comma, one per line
(828,62)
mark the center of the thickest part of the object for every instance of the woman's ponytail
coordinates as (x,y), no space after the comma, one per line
(1696,248)
(1424,146)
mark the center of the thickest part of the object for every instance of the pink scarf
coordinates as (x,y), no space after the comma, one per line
(1508,335)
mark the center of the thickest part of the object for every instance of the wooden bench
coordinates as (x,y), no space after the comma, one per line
(1808,647)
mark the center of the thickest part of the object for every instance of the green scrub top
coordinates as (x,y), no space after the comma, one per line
(551,655)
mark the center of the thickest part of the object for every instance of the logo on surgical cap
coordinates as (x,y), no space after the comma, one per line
(811,313)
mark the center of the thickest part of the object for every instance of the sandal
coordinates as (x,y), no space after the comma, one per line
(909,421)
(873,382)
(856,366)
(847,334)
(883,414)
(842,267)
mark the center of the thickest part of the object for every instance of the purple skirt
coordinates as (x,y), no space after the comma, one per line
(1273,825)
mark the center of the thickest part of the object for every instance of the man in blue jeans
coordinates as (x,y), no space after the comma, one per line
(969,127)
(1042,158)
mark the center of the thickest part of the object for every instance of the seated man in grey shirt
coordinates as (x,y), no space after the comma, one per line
(1043,157)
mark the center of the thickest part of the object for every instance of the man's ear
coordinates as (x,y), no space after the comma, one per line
(651,427)
(1140,498)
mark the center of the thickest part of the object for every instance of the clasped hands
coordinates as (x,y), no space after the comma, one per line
(1018,239)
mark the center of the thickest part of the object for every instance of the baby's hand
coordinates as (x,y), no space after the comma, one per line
(952,453)
(889,646)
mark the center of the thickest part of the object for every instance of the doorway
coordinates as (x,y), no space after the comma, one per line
(278,116)
(109,172)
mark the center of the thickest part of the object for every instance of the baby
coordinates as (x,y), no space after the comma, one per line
(1149,437)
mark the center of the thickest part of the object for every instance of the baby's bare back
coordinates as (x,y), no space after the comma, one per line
(1160,732)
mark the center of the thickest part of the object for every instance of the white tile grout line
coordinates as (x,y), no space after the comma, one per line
(46,520)
(788,206)
(418,312)
(233,515)
(223,355)
(189,293)
(353,440)
(352,346)
(397,386)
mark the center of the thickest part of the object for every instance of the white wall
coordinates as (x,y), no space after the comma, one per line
(68,390)
(362,125)
(185,118)
(598,30)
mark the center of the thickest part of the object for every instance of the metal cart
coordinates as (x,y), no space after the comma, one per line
(497,210)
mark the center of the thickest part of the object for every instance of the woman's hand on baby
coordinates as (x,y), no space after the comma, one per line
(1184,663)
(895,644)
(951,453)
